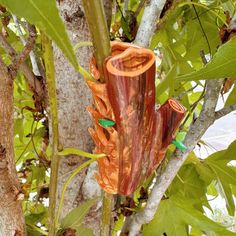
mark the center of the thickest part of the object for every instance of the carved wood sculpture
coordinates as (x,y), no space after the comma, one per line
(137,143)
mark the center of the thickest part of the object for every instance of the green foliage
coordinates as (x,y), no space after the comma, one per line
(181,36)
(185,198)
(232,97)
(45,15)
(174,217)
(224,174)
(222,64)
(74,219)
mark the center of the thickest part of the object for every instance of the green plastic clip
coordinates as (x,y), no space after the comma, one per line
(178,141)
(106,123)
(179,145)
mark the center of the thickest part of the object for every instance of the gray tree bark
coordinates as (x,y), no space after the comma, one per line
(74,120)
(11,215)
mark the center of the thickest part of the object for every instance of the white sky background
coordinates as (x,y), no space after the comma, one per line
(219,135)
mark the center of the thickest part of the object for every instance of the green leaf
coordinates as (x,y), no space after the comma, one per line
(227,154)
(180,136)
(222,64)
(211,190)
(44,14)
(196,40)
(126,28)
(188,183)
(82,230)
(166,83)
(195,232)
(232,97)
(205,173)
(224,172)
(226,193)
(19,128)
(118,225)
(180,213)
(74,219)
(37,213)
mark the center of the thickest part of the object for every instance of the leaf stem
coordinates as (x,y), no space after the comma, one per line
(51,83)
(96,19)
(74,173)
(80,68)
(78,152)
(106,214)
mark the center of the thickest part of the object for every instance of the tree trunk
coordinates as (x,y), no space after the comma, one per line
(11,215)
(74,120)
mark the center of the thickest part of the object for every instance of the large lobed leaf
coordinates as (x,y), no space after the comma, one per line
(224,174)
(222,64)
(217,170)
(44,14)
(175,214)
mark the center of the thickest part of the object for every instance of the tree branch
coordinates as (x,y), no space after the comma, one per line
(18,59)
(197,129)
(27,47)
(224,111)
(147,27)
(31,54)
(32,81)
(139,8)
(4,70)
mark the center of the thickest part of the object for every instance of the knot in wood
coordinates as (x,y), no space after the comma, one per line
(2,151)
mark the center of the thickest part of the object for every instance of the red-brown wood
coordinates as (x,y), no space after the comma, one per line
(136,145)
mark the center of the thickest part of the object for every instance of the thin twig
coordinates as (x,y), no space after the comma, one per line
(120,10)
(185,92)
(203,31)
(224,111)
(32,54)
(27,48)
(18,59)
(139,8)
(30,77)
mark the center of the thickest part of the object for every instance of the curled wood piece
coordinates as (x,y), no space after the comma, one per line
(137,143)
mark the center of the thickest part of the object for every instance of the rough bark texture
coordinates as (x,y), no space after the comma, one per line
(11,216)
(73,98)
